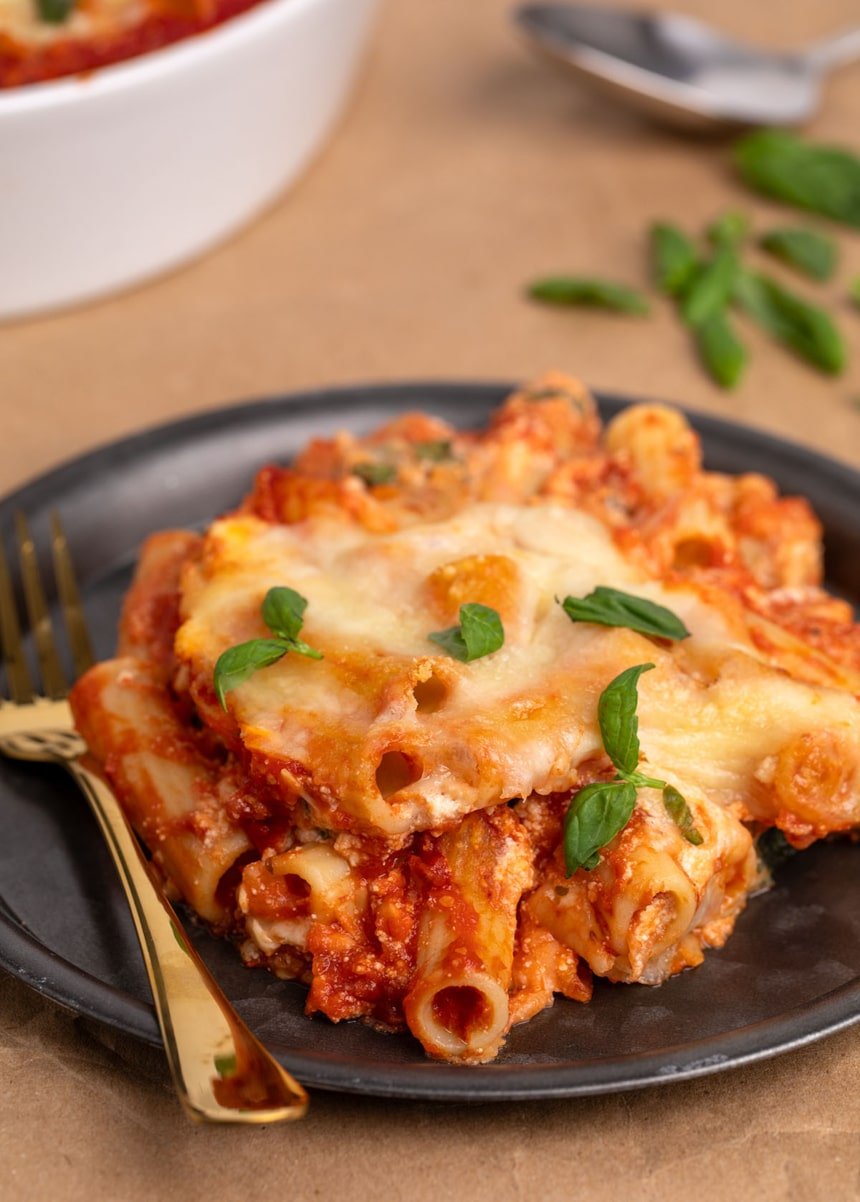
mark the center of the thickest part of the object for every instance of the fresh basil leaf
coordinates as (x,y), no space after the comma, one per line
(283,611)
(437,450)
(644,782)
(595,816)
(480,633)
(822,179)
(729,229)
(452,641)
(237,663)
(710,290)
(619,725)
(482,629)
(375,473)
(808,251)
(600,294)
(674,258)
(610,607)
(854,290)
(681,815)
(803,327)
(302,648)
(721,351)
(55,12)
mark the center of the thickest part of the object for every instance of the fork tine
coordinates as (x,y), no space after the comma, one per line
(53,678)
(18,680)
(70,600)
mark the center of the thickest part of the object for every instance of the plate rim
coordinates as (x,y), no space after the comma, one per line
(50,974)
(71,467)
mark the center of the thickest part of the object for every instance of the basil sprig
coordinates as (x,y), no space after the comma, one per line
(618,720)
(598,294)
(237,663)
(711,287)
(596,815)
(807,251)
(720,349)
(679,812)
(435,450)
(674,256)
(610,607)
(283,612)
(375,473)
(790,319)
(729,229)
(823,179)
(55,12)
(703,290)
(600,811)
(479,633)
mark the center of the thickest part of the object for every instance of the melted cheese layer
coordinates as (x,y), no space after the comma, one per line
(389,735)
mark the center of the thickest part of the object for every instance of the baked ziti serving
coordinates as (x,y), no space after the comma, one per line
(444,723)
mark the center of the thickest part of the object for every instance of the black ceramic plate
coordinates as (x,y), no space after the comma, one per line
(789,974)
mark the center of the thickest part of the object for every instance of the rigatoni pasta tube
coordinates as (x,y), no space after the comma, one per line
(458,1002)
(307,884)
(150,611)
(655,900)
(661,447)
(172,795)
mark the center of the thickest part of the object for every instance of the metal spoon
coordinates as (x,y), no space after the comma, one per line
(680,70)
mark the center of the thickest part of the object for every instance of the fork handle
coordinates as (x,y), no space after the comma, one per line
(221,1071)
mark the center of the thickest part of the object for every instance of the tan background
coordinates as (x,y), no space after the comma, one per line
(462,170)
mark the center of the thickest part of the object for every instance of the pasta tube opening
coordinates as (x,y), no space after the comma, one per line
(463,1019)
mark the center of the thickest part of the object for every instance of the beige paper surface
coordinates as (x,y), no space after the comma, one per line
(462,170)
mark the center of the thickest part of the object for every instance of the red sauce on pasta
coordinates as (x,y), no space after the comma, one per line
(167,21)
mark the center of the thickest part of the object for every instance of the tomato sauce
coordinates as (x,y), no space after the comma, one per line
(167,23)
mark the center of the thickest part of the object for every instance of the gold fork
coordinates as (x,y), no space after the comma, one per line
(221,1071)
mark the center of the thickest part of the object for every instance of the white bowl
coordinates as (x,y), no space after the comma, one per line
(110,178)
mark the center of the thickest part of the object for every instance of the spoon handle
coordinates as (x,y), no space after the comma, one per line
(836,50)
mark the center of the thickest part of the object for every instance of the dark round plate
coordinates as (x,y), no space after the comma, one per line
(789,974)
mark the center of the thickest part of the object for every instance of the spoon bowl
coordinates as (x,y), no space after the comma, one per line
(682,71)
